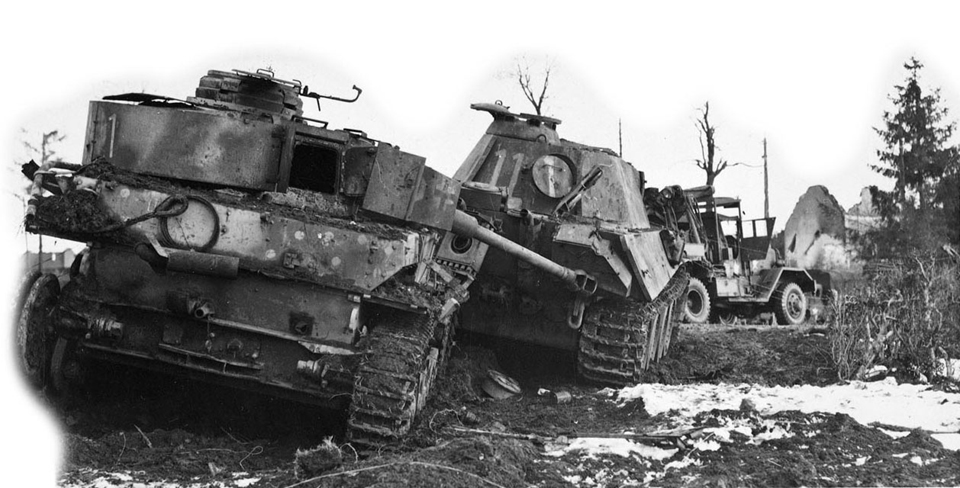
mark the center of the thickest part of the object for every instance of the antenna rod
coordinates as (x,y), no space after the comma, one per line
(620,134)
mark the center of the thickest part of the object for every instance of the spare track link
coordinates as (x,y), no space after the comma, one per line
(394,379)
(620,337)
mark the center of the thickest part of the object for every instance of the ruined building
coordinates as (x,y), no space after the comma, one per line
(815,233)
(862,216)
(819,234)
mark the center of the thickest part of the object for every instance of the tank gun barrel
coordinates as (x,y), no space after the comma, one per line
(467,226)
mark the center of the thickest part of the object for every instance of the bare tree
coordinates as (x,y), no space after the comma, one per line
(45,151)
(708,148)
(528,86)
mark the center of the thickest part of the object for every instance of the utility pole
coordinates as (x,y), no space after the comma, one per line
(766,183)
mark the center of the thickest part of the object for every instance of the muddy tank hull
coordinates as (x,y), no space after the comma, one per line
(234,241)
(580,208)
(254,332)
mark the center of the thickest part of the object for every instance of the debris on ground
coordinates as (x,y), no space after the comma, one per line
(777,419)
(318,460)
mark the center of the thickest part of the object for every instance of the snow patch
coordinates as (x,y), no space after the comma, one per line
(913,406)
(573,479)
(949,441)
(594,446)
(776,432)
(93,478)
(683,463)
(896,434)
(706,445)
(769,429)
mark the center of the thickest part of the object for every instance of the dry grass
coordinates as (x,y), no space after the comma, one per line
(907,314)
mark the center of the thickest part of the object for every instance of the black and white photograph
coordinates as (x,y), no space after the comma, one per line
(486,244)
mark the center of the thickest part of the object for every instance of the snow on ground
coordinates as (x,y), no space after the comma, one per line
(906,405)
(93,478)
(911,406)
(593,446)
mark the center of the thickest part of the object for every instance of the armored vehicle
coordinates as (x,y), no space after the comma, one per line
(234,240)
(738,274)
(558,237)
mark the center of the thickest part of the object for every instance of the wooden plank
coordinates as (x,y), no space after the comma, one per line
(669,334)
(650,342)
(662,323)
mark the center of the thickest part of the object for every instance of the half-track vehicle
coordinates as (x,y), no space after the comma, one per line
(234,240)
(557,235)
(736,273)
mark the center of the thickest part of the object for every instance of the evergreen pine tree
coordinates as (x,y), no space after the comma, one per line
(921,212)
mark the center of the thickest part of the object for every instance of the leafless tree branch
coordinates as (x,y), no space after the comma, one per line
(708,147)
(529,91)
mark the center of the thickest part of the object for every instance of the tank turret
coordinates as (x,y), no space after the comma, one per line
(564,252)
(235,240)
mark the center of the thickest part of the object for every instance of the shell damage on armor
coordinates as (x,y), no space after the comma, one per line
(564,249)
(234,240)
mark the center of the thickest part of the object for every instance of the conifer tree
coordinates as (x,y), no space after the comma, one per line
(921,212)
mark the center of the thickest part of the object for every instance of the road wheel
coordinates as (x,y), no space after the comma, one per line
(790,304)
(697,309)
(35,319)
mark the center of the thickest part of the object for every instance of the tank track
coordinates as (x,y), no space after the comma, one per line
(393,381)
(621,337)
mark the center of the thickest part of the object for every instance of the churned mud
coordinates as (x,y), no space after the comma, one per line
(138,428)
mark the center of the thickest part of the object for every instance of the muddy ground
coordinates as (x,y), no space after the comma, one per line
(135,428)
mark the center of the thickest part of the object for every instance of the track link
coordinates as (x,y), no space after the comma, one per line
(401,360)
(620,337)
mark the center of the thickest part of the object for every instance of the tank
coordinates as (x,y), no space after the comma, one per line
(234,240)
(555,239)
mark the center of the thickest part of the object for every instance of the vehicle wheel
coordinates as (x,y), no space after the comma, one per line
(697,309)
(36,317)
(789,304)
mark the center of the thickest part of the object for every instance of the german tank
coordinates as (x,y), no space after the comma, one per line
(557,234)
(232,239)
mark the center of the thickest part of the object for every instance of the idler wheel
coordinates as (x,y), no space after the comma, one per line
(34,326)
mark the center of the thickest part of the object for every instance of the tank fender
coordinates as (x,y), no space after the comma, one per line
(580,245)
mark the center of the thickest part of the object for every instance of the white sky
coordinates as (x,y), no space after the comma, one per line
(812,77)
